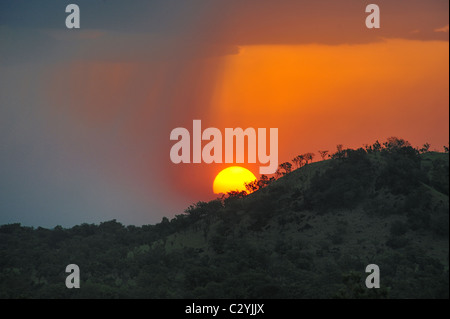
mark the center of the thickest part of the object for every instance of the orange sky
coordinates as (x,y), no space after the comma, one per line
(113,92)
(321,95)
(331,94)
(317,95)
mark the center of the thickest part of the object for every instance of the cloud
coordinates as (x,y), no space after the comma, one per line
(237,22)
(443,29)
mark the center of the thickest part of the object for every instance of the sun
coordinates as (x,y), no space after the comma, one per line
(232,179)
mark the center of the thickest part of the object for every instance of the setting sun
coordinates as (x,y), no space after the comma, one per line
(232,179)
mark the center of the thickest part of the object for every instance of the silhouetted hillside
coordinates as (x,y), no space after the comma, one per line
(309,234)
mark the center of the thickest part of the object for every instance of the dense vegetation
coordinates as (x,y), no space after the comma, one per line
(308,234)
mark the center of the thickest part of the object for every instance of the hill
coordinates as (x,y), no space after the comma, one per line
(308,234)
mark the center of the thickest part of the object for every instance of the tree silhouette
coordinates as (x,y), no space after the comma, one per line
(394,143)
(309,157)
(252,186)
(376,146)
(425,148)
(298,160)
(259,184)
(323,154)
(339,152)
(264,181)
(278,173)
(287,167)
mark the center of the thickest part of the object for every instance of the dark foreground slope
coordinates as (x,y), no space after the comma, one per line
(309,234)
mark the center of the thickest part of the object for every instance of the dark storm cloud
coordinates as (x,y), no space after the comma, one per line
(241,22)
(152,30)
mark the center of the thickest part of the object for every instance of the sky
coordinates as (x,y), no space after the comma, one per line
(86,114)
